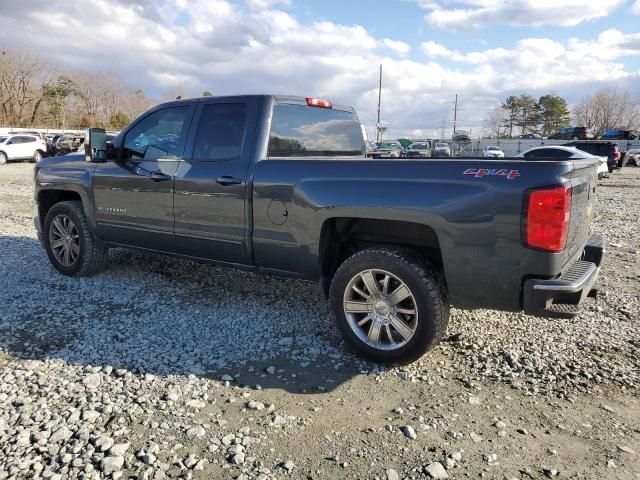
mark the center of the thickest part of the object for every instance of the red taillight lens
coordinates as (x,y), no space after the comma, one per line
(317,102)
(547,218)
(616,154)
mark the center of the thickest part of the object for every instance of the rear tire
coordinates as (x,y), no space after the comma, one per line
(3,158)
(378,339)
(66,226)
(37,156)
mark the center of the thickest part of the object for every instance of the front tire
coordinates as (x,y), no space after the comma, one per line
(390,305)
(3,158)
(70,245)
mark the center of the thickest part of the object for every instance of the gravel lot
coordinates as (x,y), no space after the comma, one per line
(164,368)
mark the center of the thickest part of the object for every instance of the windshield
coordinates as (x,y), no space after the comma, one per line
(493,148)
(2,139)
(389,145)
(419,146)
(441,145)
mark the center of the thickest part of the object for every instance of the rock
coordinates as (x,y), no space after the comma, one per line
(237,459)
(92,381)
(522,431)
(473,400)
(500,424)
(63,433)
(196,404)
(448,463)
(436,471)
(119,449)
(196,432)
(288,465)
(475,437)
(253,405)
(550,472)
(409,432)
(611,464)
(109,465)
(270,370)
(228,439)
(103,443)
(392,474)
(226,378)
(490,458)
(285,341)
(456,456)
(148,458)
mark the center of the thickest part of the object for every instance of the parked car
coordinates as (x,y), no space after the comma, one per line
(68,144)
(441,149)
(269,184)
(618,134)
(387,150)
(607,150)
(492,152)
(418,149)
(566,152)
(22,147)
(573,133)
(530,136)
(461,136)
(630,157)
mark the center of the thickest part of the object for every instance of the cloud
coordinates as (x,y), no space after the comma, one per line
(467,15)
(265,4)
(397,46)
(196,45)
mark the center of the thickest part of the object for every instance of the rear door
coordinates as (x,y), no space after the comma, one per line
(210,201)
(133,196)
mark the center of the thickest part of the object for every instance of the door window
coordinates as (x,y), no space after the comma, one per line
(221,132)
(160,134)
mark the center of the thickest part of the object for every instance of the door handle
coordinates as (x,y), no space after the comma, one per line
(228,180)
(159,177)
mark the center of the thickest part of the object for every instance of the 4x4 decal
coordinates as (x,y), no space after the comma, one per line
(502,172)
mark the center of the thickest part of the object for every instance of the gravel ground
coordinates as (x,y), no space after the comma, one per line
(164,368)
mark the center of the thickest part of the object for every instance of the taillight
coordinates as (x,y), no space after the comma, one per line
(547,218)
(317,102)
(616,154)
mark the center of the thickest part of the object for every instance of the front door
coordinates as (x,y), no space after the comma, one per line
(133,195)
(211,183)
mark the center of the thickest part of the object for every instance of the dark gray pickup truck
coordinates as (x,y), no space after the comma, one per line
(280,185)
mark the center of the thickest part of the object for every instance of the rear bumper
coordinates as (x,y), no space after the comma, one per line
(562,297)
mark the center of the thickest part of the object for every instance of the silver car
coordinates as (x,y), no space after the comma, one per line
(441,149)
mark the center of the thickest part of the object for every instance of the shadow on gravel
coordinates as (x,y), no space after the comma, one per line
(166,316)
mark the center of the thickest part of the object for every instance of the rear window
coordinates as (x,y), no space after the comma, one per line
(302,131)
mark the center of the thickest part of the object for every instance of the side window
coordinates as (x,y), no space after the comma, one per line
(15,140)
(28,139)
(221,131)
(159,134)
(536,153)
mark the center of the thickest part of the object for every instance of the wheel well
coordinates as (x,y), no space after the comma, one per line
(48,198)
(342,237)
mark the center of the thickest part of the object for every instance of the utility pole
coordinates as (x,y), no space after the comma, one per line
(455,114)
(378,126)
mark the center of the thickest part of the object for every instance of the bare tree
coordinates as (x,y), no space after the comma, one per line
(23,78)
(496,123)
(607,109)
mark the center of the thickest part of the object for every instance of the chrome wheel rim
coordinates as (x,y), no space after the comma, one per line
(380,309)
(64,240)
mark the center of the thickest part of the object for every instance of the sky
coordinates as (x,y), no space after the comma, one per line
(431,50)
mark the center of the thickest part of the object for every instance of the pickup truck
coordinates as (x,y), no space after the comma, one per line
(280,185)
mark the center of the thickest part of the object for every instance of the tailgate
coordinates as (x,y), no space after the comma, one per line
(583,181)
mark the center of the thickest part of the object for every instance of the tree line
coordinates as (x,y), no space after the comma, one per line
(606,109)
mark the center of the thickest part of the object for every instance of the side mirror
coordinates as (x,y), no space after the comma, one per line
(95,145)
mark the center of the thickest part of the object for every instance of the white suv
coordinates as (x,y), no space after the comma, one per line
(22,146)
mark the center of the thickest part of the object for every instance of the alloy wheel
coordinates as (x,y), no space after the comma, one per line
(64,240)
(380,309)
